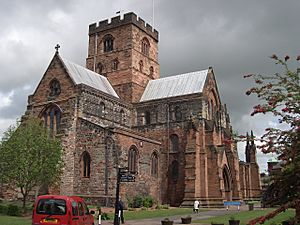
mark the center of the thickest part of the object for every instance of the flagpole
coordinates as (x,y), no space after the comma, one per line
(153,14)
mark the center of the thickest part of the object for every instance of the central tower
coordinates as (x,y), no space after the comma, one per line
(126,52)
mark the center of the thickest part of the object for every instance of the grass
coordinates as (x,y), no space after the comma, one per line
(246,216)
(11,220)
(144,214)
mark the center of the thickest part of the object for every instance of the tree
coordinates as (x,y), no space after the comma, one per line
(280,96)
(30,157)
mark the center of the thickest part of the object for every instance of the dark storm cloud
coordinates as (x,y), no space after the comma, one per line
(235,37)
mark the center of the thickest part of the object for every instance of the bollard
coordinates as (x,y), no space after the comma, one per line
(99,217)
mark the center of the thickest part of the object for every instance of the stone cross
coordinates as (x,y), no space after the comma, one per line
(57,47)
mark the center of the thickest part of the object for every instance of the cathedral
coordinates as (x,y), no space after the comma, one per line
(117,112)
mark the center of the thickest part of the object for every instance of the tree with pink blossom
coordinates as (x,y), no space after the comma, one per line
(279,95)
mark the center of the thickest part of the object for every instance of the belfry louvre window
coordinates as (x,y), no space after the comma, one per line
(132,159)
(108,43)
(145,46)
(86,164)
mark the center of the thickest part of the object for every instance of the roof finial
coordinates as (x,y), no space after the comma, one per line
(57,47)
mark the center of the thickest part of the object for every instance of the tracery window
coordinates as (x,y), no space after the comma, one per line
(122,117)
(132,159)
(108,42)
(52,118)
(154,164)
(54,87)
(86,164)
(174,143)
(145,46)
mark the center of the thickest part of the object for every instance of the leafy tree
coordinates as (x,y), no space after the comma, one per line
(280,96)
(30,157)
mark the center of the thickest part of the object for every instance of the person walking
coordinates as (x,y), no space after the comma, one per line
(196,206)
(121,208)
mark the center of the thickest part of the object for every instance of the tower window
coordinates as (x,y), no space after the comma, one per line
(151,71)
(145,46)
(86,164)
(54,87)
(115,64)
(108,43)
(141,65)
(99,68)
(132,159)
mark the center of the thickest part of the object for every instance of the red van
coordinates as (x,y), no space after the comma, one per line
(61,210)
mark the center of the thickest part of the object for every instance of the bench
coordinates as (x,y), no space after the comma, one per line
(228,203)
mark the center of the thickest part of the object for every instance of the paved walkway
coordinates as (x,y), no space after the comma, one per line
(177,219)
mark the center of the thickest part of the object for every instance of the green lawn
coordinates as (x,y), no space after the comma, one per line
(246,216)
(143,214)
(11,220)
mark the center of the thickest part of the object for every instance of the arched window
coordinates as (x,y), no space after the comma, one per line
(132,159)
(145,46)
(102,109)
(174,143)
(154,164)
(122,117)
(54,87)
(52,118)
(141,65)
(175,170)
(115,64)
(151,71)
(178,114)
(99,68)
(108,43)
(85,164)
(147,118)
(212,109)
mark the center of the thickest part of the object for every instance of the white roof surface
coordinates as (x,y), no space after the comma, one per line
(183,84)
(81,75)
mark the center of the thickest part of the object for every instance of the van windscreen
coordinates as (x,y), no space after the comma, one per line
(51,207)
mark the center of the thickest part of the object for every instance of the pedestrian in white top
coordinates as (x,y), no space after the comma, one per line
(196,206)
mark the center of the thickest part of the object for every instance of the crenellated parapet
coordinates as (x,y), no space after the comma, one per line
(129,18)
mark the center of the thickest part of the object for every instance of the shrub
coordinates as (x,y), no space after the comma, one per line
(13,210)
(3,209)
(104,216)
(137,201)
(148,202)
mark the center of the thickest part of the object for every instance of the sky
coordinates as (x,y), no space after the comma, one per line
(235,37)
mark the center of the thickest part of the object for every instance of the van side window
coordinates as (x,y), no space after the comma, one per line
(74,209)
(80,209)
(86,210)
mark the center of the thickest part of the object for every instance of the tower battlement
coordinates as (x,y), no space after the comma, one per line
(129,18)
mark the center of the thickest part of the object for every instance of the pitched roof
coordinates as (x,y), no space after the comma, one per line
(179,85)
(81,75)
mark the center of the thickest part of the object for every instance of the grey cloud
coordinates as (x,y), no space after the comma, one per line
(235,37)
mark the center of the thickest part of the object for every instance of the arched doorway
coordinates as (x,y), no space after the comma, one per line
(227,183)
